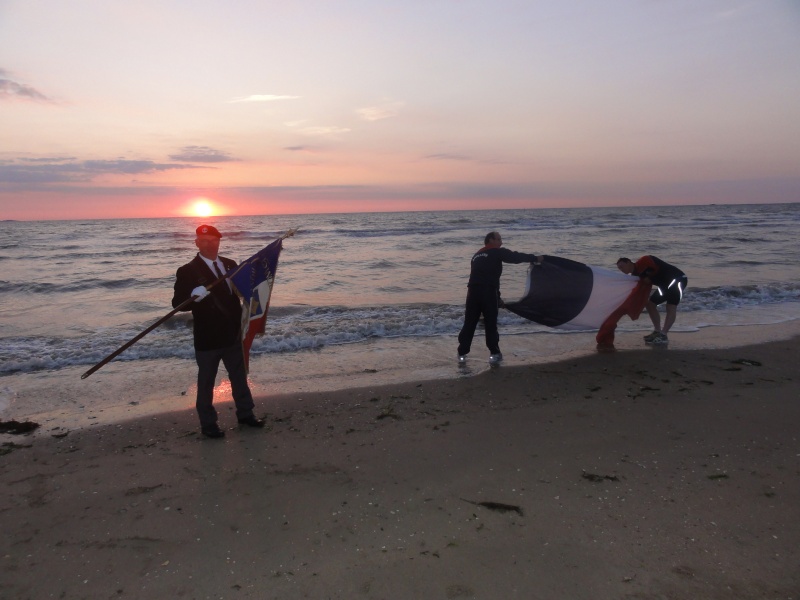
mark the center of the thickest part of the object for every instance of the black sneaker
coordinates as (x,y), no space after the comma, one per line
(661,340)
(212,431)
(251,421)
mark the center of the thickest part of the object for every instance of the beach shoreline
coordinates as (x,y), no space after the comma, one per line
(61,401)
(636,474)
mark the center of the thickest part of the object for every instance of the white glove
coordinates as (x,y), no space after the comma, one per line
(200,292)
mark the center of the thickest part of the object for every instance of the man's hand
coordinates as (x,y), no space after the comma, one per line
(199,293)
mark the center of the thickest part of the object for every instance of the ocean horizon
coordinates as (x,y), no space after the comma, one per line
(356,285)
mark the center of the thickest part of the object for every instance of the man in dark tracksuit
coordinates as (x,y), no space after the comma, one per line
(483,294)
(217,320)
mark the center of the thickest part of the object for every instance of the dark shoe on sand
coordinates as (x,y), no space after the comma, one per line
(661,340)
(212,431)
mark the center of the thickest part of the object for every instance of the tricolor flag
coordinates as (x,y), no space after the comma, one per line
(567,294)
(253,281)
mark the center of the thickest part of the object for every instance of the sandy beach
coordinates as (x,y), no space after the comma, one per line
(636,474)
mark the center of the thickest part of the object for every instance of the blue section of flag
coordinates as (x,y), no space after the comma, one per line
(558,290)
(249,276)
(253,281)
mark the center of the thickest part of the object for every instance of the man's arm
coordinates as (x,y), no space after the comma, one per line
(516,258)
(645,268)
(185,282)
(500,302)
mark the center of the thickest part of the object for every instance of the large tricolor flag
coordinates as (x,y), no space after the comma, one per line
(253,281)
(567,294)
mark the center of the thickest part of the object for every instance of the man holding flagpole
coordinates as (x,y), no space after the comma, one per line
(217,316)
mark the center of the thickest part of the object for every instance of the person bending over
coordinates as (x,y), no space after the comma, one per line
(669,283)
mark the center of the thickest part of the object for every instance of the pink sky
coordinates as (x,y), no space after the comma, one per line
(112,109)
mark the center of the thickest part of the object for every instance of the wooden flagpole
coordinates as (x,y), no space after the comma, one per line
(132,341)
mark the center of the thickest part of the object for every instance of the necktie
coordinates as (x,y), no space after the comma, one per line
(219,274)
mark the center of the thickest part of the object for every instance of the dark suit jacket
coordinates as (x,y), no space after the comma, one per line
(217,318)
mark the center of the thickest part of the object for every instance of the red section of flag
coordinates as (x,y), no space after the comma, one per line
(255,328)
(632,306)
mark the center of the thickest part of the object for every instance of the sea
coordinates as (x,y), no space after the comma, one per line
(359,299)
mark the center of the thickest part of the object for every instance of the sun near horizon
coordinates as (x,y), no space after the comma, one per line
(203,207)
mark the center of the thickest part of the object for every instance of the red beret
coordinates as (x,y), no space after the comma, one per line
(208,230)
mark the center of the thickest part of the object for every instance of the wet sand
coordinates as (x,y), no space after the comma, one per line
(636,474)
(126,389)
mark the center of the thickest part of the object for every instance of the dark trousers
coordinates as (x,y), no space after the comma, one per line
(207,367)
(481,300)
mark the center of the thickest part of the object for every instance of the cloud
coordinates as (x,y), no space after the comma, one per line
(378,113)
(12,90)
(47,159)
(302,148)
(262,98)
(128,167)
(733,11)
(202,154)
(329,130)
(65,171)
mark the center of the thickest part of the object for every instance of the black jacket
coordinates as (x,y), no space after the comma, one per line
(487,265)
(217,317)
(659,272)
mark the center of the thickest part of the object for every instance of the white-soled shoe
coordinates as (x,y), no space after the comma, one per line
(661,340)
